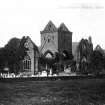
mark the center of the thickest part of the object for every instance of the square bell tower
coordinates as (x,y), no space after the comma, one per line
(55,39)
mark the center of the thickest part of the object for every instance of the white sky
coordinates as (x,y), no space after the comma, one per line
(28,17)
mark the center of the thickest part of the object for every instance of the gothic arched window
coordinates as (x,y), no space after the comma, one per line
(48,40)
(27,63)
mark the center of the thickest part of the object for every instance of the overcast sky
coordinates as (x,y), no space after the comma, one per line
(28,17)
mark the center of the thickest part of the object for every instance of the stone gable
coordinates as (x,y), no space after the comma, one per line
(63,27)
(31,57)
(50,27)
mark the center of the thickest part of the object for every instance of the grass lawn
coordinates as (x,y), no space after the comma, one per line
(69,92)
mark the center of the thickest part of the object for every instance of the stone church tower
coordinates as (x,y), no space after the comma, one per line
(55,39)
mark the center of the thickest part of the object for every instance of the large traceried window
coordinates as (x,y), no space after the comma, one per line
(27,63)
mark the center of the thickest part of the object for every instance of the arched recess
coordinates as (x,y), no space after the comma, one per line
(48,54)
(66,54)
(27,63)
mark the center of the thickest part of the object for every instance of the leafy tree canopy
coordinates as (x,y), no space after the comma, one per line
(12,53)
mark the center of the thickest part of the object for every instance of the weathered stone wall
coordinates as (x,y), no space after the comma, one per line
(33,54)
(65,41)
(49,41)
(30,52)
(56,39)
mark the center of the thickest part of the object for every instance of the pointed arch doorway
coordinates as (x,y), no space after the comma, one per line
(48,54)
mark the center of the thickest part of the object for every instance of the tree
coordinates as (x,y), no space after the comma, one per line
(3,58)
(96,62)
(13,52)
(21,51)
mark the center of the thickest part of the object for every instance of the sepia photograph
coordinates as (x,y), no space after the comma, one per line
(52,52)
